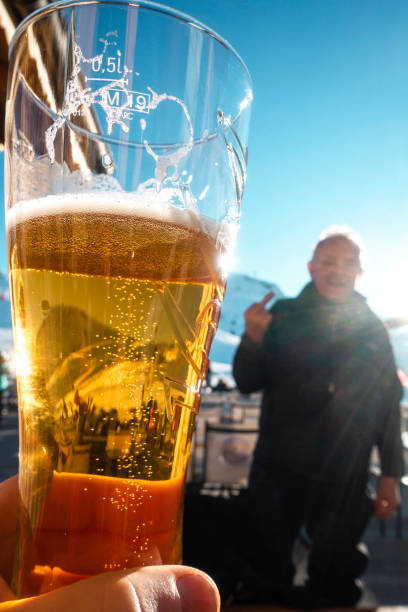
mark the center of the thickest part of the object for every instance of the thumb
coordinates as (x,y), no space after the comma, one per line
(158,588)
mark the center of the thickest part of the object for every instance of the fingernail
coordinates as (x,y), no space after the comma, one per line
(198,593)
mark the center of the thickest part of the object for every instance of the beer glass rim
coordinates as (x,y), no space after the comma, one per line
(153,6)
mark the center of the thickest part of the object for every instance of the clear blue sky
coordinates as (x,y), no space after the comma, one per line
(329,134)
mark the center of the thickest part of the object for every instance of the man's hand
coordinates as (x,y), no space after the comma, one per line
(388,497)
(164,588)
(258,318)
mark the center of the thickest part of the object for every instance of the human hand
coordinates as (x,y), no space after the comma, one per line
(388,497)
(8,526)
(159,588)
(258,318)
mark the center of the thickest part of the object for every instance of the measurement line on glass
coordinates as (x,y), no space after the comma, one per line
(126,81)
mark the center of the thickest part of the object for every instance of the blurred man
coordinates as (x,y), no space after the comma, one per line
(331,393)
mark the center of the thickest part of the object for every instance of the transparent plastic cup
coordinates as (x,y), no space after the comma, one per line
(126,135)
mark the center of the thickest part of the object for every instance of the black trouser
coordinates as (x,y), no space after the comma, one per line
(335,517)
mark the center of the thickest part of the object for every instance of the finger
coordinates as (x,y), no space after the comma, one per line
(148,589)
(194,590)
(8,523)
(8,505)
(266,299)
(383,516)
(384,509)
(5,592)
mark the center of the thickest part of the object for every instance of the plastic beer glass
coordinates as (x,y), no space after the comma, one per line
(126,136)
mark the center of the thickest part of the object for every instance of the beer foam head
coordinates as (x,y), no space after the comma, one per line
(149,203)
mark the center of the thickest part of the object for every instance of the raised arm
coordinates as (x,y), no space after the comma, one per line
(249,361)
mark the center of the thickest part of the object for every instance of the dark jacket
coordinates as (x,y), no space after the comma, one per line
(331,391)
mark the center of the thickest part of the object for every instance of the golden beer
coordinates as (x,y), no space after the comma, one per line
(115,303)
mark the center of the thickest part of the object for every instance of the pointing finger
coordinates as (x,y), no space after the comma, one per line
(266,299)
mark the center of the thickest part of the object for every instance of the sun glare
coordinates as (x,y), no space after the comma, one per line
(389,296)
(227,261)
(396,290)
(22,362)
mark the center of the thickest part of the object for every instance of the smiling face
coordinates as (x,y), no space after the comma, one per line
(335,267)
